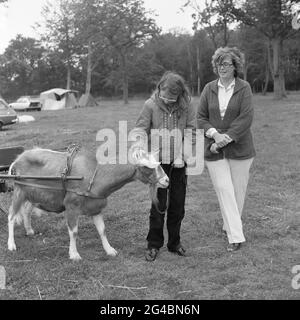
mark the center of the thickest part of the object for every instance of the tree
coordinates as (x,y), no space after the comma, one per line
(203,51)
(21,65)
(292,62)
(2,1)
(215,18)
(60,33)
(94,44)
(273,19)
(253,45)
(144,69)
(124,23)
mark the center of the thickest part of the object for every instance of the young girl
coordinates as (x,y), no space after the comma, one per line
(168,108)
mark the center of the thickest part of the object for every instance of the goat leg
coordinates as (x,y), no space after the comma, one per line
(72,223)
(11,224)
(100,226)
(26,213)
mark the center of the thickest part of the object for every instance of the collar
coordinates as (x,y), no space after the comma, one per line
(239,84)
(231,85)
(162,106)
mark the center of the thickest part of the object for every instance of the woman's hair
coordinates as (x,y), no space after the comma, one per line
(236,56)
(176,85)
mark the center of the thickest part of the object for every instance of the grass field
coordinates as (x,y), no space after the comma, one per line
(262,269)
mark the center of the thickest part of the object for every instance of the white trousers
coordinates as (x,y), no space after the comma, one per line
(230,178)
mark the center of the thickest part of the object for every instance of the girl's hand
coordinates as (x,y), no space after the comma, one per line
(178,163)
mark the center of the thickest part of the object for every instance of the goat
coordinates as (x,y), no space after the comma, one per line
(49,195)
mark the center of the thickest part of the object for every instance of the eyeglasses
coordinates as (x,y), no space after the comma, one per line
(166,100)
(224,64)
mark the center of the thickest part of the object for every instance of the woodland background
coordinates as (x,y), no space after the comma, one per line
(114,49)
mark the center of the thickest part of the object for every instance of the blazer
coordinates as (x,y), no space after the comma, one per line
(236,122)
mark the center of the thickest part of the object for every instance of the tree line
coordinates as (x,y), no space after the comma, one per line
(113,48)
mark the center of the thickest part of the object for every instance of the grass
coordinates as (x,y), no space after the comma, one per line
(40,268)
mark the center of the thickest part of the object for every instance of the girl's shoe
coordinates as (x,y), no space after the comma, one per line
(179,250)
(151,254)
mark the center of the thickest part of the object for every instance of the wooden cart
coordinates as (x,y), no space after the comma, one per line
(7,157)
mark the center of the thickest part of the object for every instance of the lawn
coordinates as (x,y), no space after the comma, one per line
(262,269)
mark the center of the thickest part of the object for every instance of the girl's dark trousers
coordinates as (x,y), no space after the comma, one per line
(175,211)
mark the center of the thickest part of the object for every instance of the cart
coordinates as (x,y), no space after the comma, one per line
(7,157)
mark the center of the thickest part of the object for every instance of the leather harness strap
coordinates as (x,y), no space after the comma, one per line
(79,193)
(66,171)
(72,150)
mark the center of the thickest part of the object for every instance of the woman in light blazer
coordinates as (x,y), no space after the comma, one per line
(225,112)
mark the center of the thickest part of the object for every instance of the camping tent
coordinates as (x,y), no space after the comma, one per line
(87,100)
(57,98)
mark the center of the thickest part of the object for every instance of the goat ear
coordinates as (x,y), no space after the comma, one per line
(147,160)
(155,154)
(137,154)
(153,160)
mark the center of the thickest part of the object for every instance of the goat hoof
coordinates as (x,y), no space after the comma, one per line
(30,232)
(112,252)
(12,247)
(75,257)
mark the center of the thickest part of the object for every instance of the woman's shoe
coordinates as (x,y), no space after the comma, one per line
(151,254)
(233,247)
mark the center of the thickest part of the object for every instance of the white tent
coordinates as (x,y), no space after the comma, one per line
(87,101)
(57,98)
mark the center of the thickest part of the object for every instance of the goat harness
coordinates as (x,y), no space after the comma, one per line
(64,177)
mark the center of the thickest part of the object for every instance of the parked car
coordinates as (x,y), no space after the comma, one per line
(27,103)
(7,114)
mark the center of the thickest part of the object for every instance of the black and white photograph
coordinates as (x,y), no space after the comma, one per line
(149,154)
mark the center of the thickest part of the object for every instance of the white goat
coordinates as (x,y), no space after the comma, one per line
(50,196)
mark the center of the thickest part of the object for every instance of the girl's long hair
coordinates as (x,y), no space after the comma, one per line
(177,85)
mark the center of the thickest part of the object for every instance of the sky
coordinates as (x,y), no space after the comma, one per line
(18,16)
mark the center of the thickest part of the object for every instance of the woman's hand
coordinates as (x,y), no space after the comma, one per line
(221,139)
(214,148)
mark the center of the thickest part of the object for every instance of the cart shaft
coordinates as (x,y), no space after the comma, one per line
(16,177)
